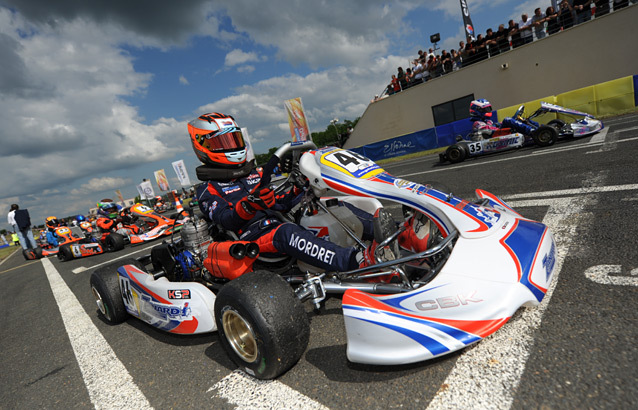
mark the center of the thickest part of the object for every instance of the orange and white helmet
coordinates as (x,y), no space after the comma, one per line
(217,140)
(52,222)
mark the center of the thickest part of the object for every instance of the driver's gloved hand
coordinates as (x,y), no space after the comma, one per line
(285,164)
(249,205)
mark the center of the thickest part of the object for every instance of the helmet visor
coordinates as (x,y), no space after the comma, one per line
(226,139)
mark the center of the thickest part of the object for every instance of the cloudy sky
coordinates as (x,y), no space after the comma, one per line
(95,95)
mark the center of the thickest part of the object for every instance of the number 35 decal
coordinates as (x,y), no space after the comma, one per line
(474,147)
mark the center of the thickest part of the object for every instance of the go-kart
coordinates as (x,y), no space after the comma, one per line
(483,261)
(139,223)
(518,131)
(76,242)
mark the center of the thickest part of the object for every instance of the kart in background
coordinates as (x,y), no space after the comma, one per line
(86,244)
(139,223)
(518,131)
(482,262)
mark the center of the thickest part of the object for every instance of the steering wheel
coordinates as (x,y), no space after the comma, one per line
(518,115)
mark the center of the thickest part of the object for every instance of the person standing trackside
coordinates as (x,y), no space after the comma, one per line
(20,220)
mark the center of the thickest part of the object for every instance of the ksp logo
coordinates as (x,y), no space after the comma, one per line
(179,294)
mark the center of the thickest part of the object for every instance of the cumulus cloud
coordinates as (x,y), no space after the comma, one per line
(238,56)
(67,78)
(100,184)
(259,107)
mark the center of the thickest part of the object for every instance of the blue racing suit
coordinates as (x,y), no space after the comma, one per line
(219,202)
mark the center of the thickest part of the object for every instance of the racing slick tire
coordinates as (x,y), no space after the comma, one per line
(114,242)
(38,252)
(456,153)
(29,254)
(65,253)
(545,136)
(262,325)
(105,287)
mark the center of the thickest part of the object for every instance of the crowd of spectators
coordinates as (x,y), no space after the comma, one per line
(561,15)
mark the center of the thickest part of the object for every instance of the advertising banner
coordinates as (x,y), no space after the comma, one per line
(145,190)
(182,173)
(119,195)
(297,120)
(467,21)
(161,180)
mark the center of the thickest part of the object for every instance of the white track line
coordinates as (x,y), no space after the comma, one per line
(80,269)
(492,161)
(576,191)
(247,393)
(109,384)
(487,375)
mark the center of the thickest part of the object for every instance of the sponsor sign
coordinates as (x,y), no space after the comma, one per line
(182,173)
(297,120)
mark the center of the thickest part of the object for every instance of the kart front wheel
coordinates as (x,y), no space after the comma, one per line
(545,136)
(65,253)
(262,324)
(561,127)
(455,154)
(105,287)
(114,242)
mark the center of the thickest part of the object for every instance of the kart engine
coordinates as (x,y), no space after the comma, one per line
(183,260)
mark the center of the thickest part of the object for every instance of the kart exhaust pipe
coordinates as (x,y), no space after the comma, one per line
(241,250)
(237,251)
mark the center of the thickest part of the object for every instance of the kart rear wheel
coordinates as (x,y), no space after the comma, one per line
(114,242)
(262,324)
(65,253)
(38,252)
(105,287)
(455,153)
(545,136)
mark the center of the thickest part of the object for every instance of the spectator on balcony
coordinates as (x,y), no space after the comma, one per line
(481,48)
(551,16)
(402,79)
(456,60)
(437,67)
(446,62)
(409,78)
(395,85)
(602,7)
(565,18)
(515,33)
(462,53)
(417,70)
(538,22)
(503,40)
(470,50)
(491,42)
(582,9)
(525,28)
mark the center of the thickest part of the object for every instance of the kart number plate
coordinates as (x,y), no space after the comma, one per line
(351,163)
(474,147)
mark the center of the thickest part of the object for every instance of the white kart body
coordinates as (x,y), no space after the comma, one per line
(500,262)
(175,307)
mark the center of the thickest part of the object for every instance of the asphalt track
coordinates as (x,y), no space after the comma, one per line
(576,350)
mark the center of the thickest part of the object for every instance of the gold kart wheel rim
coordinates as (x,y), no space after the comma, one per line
(99,301)
(240,336)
